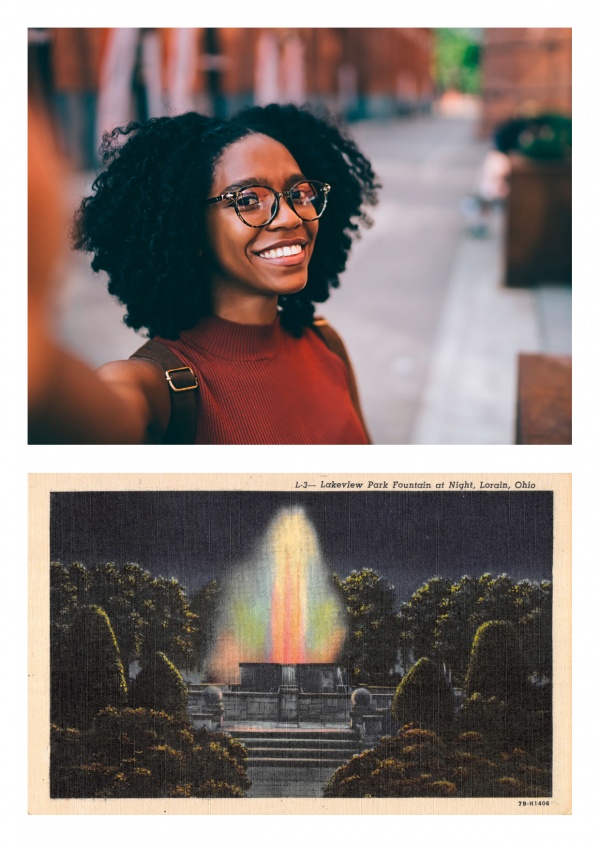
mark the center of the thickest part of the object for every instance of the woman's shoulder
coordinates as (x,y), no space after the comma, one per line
(334,342)
(132,370)
(330,337)
(142,382)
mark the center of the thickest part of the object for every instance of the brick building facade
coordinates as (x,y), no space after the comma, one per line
(358,72)
(524,70)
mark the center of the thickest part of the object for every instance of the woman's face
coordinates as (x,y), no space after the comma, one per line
(242,257)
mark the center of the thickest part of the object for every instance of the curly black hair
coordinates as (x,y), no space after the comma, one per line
(144,222)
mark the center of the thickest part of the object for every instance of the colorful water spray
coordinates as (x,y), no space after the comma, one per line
(280,607)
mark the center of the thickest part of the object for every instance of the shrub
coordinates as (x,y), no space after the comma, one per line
(65,758)
(499,723)
(140,753)
(417,763)
(496,666)
(235,749)
(424,699)
(159,686)
(91,675)
(505,725)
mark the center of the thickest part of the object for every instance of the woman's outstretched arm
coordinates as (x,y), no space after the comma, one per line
(124,402)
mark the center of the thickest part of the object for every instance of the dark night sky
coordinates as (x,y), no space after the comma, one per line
(407,537)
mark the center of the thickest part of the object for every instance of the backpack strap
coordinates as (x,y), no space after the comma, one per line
(332,340)
(185,393)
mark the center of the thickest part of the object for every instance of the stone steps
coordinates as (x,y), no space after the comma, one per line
(297,762)
(290,733)
(297,747)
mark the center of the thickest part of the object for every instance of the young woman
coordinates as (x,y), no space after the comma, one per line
(219,237)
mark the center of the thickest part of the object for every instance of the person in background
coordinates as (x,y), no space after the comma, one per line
(531,132)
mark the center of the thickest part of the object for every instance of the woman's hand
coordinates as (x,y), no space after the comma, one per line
(125,402)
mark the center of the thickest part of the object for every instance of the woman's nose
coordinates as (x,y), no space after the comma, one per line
(285,216)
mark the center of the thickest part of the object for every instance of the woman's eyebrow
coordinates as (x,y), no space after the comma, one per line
(261,180)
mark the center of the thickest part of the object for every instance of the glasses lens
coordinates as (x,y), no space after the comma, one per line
(255,204)
(308,199)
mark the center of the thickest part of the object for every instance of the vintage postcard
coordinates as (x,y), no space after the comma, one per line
(285,644)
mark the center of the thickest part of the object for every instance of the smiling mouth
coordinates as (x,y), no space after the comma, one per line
(281,252)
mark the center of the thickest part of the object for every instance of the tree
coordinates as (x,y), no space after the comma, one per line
(454,627)
(533,601)
(80,579)
(159,686)
(457,59)
(132,607)
(372,644)
(423,698)
(440,620)
(168,623)
(204,604)
(149,614)
(63,610)
(124,595)
(469,603)
(91,676)
(63,601)
(418,618)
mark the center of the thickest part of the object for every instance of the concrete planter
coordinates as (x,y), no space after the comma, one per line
(538,224)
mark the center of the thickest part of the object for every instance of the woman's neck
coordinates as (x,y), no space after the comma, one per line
(243,309)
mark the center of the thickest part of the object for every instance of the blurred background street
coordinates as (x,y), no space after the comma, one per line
(436,348)
(437,302)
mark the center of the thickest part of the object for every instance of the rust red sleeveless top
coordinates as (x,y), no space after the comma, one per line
(260,385)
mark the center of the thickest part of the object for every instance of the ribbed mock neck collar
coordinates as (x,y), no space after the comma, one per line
(235,341)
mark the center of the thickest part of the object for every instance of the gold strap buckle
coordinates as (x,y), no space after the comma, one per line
(173,386)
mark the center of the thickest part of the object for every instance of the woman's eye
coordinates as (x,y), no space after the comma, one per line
(248,200)
(303,195)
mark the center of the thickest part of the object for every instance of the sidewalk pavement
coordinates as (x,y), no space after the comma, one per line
(289,781)
(469,395)
(433,333)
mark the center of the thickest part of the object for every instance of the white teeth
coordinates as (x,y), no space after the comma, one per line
(279,252)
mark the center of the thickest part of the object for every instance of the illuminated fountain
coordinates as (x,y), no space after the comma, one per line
(281,607)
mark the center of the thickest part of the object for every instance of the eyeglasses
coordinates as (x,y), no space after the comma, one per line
(257,205)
